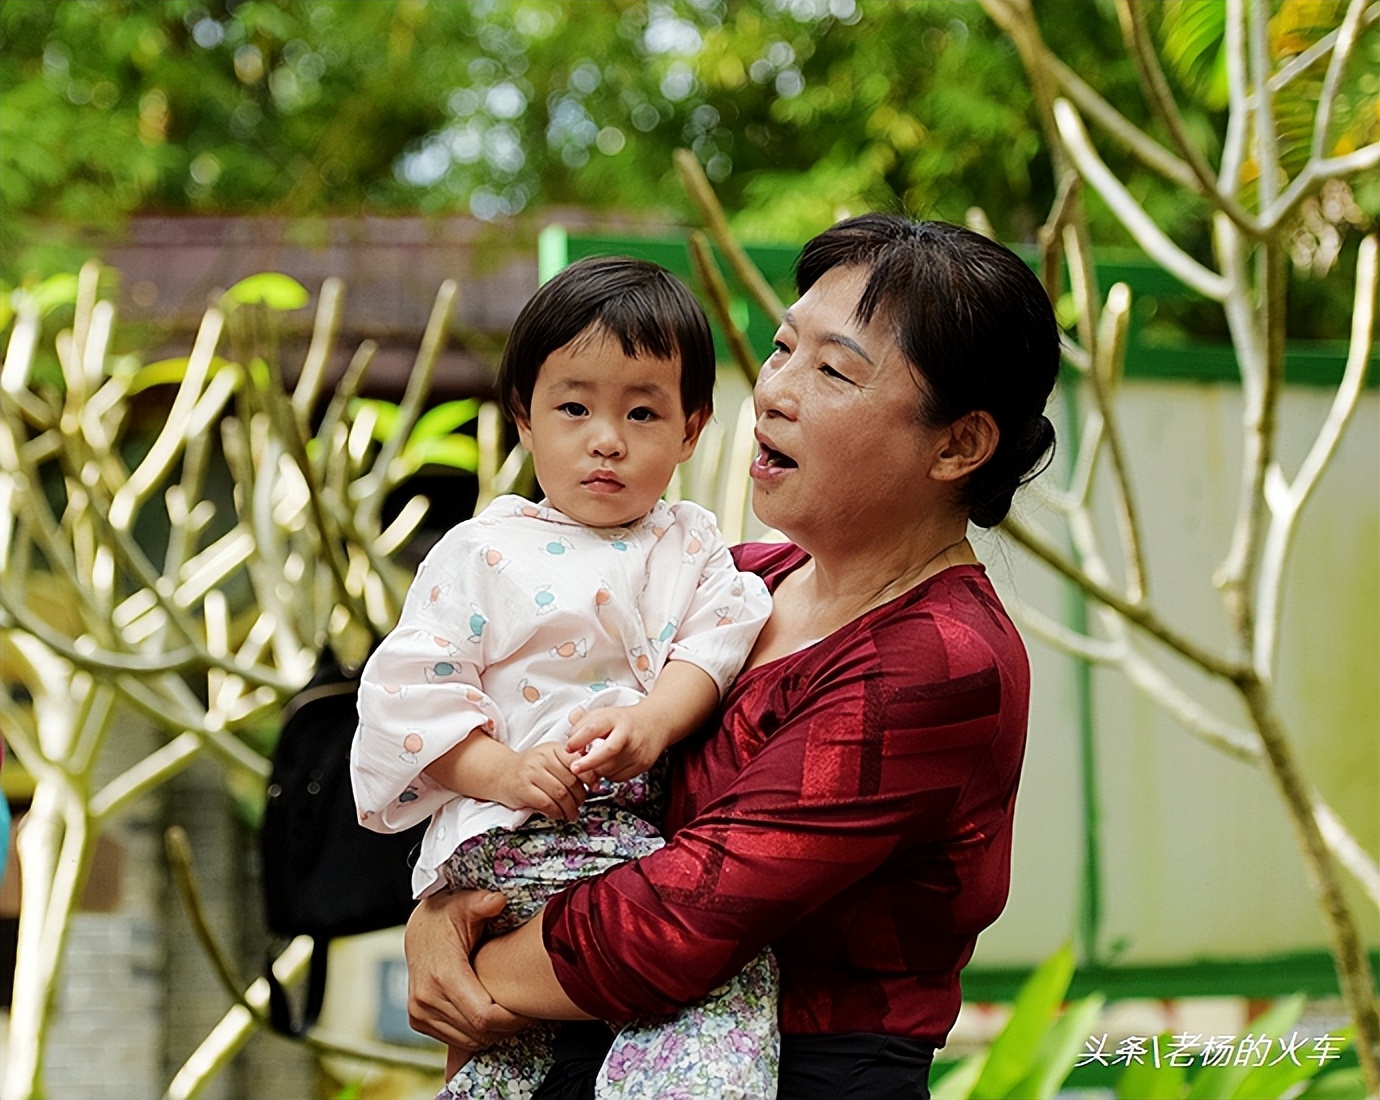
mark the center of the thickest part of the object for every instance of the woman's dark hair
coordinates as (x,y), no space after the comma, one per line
(648,309)
(975,324)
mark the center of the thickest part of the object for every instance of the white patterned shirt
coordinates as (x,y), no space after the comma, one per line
(518,621)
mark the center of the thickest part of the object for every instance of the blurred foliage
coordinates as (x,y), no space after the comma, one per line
(1034,1052)
(797,108)
(1047,1037)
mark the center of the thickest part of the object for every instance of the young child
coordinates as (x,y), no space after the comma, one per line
(601,617)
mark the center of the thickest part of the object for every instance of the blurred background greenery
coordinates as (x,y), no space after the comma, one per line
(798,110)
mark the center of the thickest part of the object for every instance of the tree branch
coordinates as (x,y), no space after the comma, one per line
(1313,175)
(1353,967)
(1336,66)
(253,1002)
(1111,354)
(1141,617)
(372,489)
(1130,213)
(707,272)
(702,195)
(1137,38)
(1287,501)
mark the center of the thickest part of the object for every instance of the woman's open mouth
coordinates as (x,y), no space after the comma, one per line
(769,460)
(769,456)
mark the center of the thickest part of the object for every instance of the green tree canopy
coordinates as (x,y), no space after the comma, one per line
(798,109)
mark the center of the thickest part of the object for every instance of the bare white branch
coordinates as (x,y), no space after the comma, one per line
(1130,213)
(1287,500)
(1336,67)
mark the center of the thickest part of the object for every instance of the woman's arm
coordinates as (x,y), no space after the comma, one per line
(517,972)
(903,742)
(444,998)
(875,760)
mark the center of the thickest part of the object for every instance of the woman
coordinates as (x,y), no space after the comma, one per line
(852,805)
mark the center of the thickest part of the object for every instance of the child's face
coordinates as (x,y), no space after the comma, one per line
(606,431)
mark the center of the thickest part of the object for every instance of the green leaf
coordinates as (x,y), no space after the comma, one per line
(275,290)
(1283,1077)
(457,451)
(1342,1084)
(46,296)
(445,418)
(958,1083)
(1217,1082)
(385,415)
(1195,45)
(1146,1081)
(169,372)
(1059,1049)
(1012,1052)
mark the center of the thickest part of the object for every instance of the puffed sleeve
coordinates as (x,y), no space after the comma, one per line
(727,610)
(420,694)
(873,761)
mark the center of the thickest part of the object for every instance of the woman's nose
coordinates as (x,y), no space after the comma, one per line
(774,390)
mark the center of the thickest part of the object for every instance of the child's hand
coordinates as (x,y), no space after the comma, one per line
(614,743)
(541,779)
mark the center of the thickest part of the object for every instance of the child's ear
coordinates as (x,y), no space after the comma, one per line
(968,442)
(694,424)
(524,427)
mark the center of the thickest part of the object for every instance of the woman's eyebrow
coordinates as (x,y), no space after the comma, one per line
(838,338)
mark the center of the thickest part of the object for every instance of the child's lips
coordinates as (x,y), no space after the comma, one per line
(601,481)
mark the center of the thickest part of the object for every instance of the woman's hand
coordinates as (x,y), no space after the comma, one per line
(444,997)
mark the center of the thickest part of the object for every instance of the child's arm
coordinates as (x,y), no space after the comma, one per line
(538,779)
(631,738)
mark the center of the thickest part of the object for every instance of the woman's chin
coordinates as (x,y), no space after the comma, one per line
(773,506)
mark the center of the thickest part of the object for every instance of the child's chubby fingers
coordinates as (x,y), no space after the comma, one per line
(594,725)
(555,800)
(590,765)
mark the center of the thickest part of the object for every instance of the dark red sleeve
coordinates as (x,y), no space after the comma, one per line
(873,756)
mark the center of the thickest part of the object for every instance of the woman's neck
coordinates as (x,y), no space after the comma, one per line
(868,577)
(838,585)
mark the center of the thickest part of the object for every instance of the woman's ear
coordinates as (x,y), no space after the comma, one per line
(968,442)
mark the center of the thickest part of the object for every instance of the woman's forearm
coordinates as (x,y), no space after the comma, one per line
(517,972)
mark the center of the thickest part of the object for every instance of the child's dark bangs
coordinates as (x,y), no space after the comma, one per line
(643,326)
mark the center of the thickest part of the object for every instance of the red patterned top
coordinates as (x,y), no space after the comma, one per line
(852,810)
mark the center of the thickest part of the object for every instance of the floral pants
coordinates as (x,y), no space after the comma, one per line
(725,1047)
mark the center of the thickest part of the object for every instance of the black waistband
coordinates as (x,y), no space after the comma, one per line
(857,1065)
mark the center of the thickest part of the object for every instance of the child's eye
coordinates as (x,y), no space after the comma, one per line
(573,408)
(642,413)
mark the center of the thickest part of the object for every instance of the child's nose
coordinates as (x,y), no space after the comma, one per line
(607,442)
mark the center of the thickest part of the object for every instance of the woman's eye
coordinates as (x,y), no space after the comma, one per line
(642,414)
(572,408)
(779,348)
(825,368)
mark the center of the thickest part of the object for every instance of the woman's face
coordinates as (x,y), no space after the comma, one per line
(843,458)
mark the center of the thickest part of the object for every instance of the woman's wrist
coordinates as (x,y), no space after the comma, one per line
(517,972)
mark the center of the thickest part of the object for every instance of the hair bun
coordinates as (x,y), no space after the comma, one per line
(1023,459)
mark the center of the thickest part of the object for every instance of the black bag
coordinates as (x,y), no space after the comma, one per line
(324,875)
